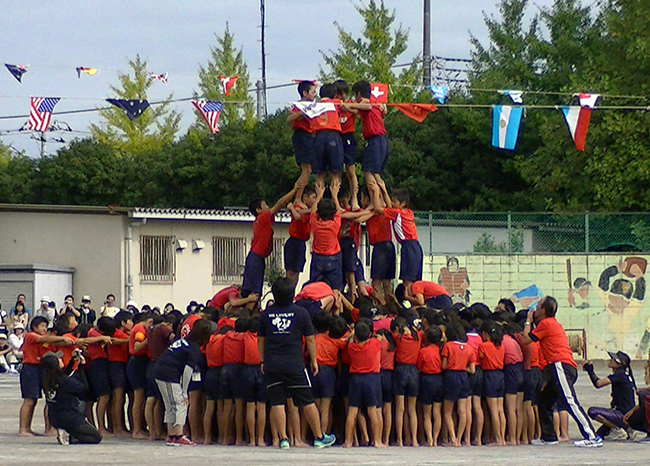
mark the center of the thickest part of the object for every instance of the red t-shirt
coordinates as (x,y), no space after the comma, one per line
(553,342)
(474,341)
(158,341)
(351,229)
(96,350)
(387,357)
(459,355)
(491,357)
(381,324)
(328,121)
(365,358)
(220,299)
(214,350)
(31,348)
(315,291)
(326,235)
(429,361)
(67,350)
(327,349)
(188,323)
(303,124)
(378,228)
(542,361)
(119,353)
(251,350)
(373,122)
(225,322)
(233,348)
(300,229)
(139,334)
(347,121)
(407,349)
(428,290)
(403,224)
(262,242)
(514,354)
(534,354)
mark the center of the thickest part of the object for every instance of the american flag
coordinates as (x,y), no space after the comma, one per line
(210,111)
(40,112)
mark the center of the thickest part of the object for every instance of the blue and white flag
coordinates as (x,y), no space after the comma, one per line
(516,96)
(439,92)
(505,126)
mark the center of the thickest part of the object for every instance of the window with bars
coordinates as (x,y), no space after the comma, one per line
(228,259)
(274,261)
(157,259)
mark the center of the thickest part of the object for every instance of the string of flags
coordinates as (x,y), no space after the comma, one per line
(159,77)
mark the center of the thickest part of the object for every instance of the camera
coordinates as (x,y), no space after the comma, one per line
(76,353)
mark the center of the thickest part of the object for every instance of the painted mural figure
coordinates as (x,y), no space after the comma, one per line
(622,289)
(579,290)
(527,298)
(455,280)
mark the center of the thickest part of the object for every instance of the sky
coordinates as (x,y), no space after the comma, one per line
(54,38)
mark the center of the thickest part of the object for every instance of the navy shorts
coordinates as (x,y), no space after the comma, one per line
(230,387)
(136,372)
(117,374)
(311,306)
(212,382)
(441,302)
(344,381)
(324,383)
(386,385)
(476,382)
(253,384)
(349,148)
(30,381)
(294,255)
(406,380)
(327,269)
(411,261)
(198,385)
(281,386)
(253,273)
(303,146)
(328,153)
(456,385)
(98,377)
(365,391)
(382,266)
(152,390)
(375,155)
(358,273)
(493,384)
(514,378)
(349,257)
(431,389)
(531,385)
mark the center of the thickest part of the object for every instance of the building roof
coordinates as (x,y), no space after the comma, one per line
(227,215)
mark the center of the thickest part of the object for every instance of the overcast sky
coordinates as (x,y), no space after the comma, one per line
(56,37)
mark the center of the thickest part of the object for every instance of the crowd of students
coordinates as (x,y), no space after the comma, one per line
(402,367)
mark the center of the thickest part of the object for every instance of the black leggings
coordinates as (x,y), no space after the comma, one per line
(85,433)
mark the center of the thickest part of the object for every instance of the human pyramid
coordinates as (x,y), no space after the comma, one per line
(374,365)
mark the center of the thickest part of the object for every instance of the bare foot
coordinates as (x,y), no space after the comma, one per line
(415,444)
(511,443)
(399,443)
(26,434)
(380,445)
(563,439)
(140,436)
(347,445)
(207,441)
(300,444)
(50,433)
(240,443)
(261,443)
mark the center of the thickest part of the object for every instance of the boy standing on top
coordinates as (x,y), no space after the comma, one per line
(347,118)
(303,140)
(328,148)
(295,247)
(262,242)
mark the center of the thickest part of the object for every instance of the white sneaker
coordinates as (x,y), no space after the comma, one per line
(589,443)
(62,437)
(538,442)
(616,435)
(632,434)
(13,371)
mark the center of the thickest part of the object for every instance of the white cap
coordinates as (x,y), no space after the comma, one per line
(45,299)
(85,297)
(132,303)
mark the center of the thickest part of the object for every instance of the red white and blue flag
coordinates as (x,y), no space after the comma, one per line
(40,112)
(577,120)
(210,111)
(160,77)
(227,83)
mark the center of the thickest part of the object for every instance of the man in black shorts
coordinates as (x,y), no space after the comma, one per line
(281,329)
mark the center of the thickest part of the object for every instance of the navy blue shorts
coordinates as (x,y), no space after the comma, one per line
(212,383)
(406,380)
(349,148)
(386,385)
(531,385)
(324,383)
(411,261)
(328,153)
(152,390)
(98,378)
(375,155)
(294,255)
(431,389)
(136,372)
(349,257)
(253,384)
(311,306)
(303,146)
(441,302)
(514,377)
(456,385)
(253,273)
(476,382)
(493,384)
(198,385)
(359,276)
(230,387)
(365,391)
(30,381)
(344,382)
(117,374)
(382,266)
(327,269)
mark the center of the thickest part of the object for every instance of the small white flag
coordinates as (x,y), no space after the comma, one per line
(314,109)
(588,100)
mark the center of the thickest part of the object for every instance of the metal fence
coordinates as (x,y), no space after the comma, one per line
(533,233)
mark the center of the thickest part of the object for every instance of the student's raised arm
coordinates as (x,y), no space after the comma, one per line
(320,192)
(363,106)
(284,200)
(384,192)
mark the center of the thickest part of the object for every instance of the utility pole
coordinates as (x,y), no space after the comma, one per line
(263,44)
(261,100)
(426,46)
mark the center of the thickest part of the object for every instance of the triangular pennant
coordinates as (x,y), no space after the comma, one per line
(439,92)
(417,112)
(314,109)
(40,112)
(133,108)
(17,71)
(88,71)
(516,96)
(505,126)
(378,93)
(210,111)
(577,120)
(160,77)
(227,83)
(588,100)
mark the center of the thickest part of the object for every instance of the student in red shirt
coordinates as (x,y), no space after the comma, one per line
(325,224)
(349,239)
(295,248)
(431,386)
(492,355)
(136,372)
(513,373)
(328,147)
(302,139)
(230,297)
(214,360)
(365,382)
(231,377)
(531,382)
(347,118)
(319,296)
(33,348)
(560,374)
(457,362)
(429,294)
(388,347)
(118,356)
(98,371)
(254,387)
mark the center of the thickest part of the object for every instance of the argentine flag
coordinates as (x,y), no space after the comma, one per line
(505,126)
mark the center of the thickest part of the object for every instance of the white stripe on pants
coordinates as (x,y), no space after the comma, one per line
(576,411)
(173,398)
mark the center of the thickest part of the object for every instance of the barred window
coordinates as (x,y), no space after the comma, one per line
(157,259)
(228,259)
(274,261)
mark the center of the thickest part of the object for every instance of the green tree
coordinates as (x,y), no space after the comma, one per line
(153,130)
(226,60)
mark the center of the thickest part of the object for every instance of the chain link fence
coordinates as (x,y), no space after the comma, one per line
(532,233)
